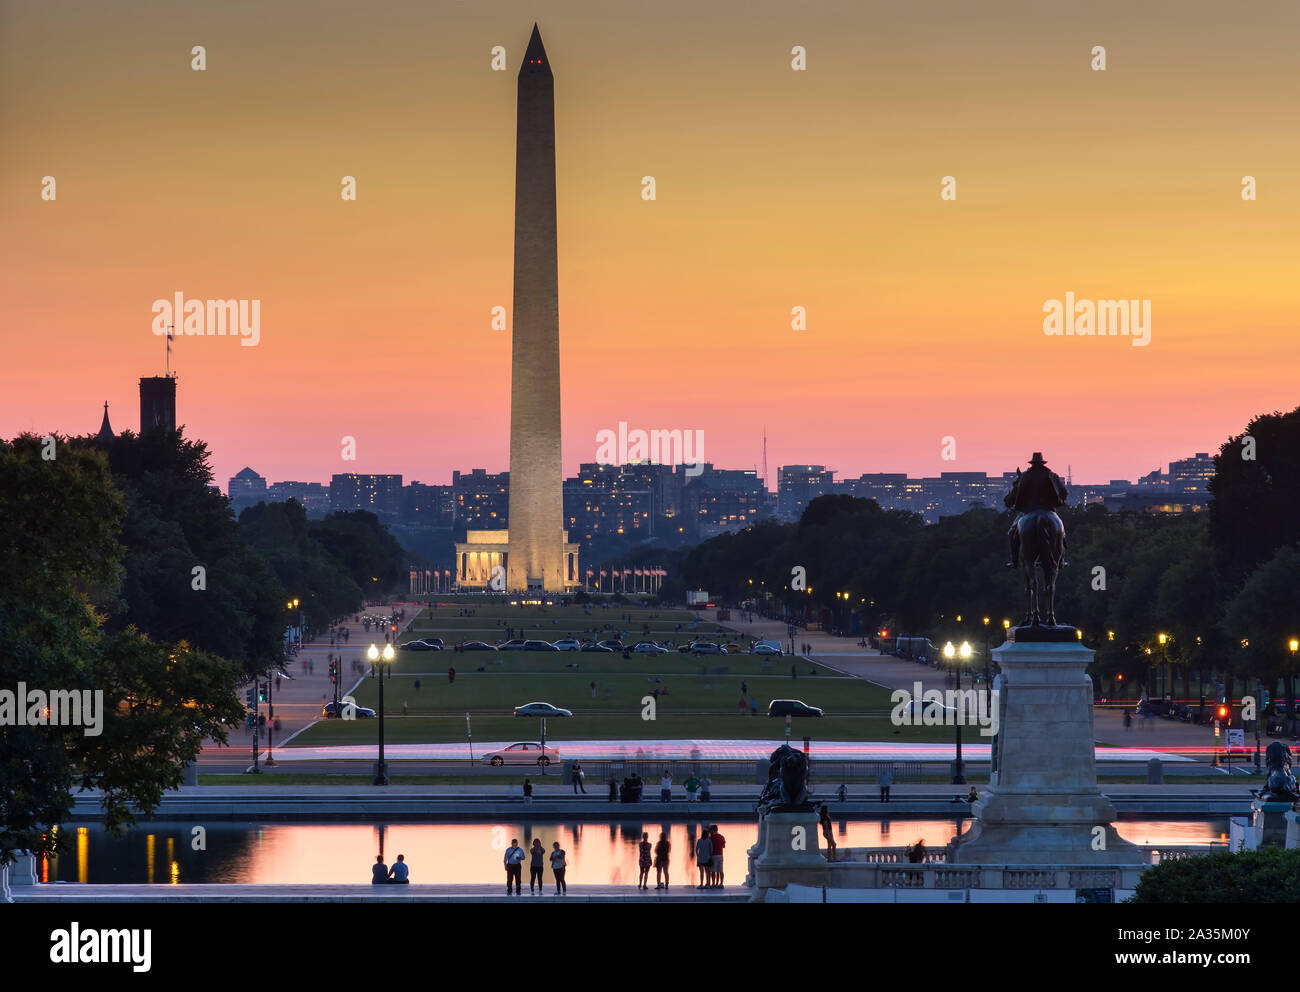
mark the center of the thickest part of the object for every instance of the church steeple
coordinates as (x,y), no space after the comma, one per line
(105,429)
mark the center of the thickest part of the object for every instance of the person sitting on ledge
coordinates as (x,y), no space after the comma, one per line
(379,871)
(972,796)
(399,874)
(916,853)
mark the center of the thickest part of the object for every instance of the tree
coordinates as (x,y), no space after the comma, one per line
(60,554)
(1268,875)
(1253,510)
(187,574)
(365,549)
(1263,617)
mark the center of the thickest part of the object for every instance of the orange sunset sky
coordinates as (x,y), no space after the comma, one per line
(775,188)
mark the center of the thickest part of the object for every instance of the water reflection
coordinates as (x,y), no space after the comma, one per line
(466,853)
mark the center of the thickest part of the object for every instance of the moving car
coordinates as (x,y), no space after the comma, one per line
(731,647)
(333,710)
(704,647)
(418,646)
(522,754)
(765,647)
(649,647)
(568,644)
(792,707)
(541,709)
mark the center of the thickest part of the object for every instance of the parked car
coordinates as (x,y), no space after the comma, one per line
(613,644)
(435,641)
(765,647)
(541,709)
(522,754)
(514,644)
(476,646)
(417,646)
(704,647)
(333,710)
(539,646)
(792,707)
(731,648)
(568,644)
(649,647)
(593,646)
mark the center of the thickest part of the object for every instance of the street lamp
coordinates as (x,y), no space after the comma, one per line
(987,654)
(376,671)
(1294,645)
(950,653)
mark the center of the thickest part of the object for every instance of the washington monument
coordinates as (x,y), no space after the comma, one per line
(536,524)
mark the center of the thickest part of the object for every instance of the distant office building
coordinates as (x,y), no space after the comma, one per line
(799,485)
(1192,475)
(158,402)
(606,500)
(245,488)
(422,504)
(313,497)
(379,494)
(481,500)
(722,500)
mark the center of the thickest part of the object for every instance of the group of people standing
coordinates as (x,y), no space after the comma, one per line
(536,856)
(708,860)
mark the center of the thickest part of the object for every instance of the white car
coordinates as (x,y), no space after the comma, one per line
(649,647)
(522,754)
(569,644)
(765,647)
(541,709)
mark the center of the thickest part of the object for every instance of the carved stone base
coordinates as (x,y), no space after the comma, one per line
(789,851)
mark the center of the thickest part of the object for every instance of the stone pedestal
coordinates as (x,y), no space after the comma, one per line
(788,851)
(1043,805)
(21,873)
(1271,824)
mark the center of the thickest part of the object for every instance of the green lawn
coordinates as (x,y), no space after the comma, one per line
(699,696)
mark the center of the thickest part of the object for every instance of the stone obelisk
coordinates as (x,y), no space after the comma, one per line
(536,523)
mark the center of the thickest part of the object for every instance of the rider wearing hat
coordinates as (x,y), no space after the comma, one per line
(1039,488)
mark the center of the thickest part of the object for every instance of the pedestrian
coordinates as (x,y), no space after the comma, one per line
(644,849)
(691,785)
(535,865)
(884,780)
(1128,719)
(972,796)
(400,874)
(613,789)
(704,857)
(528,791)
(379,871)
(916,853)
(451,676)
(666,788)
(825,817)
(719,842)
(514,862)
(842,792)
(578,775)
(706,788)
(753,707)
(743,706)
(558,864)
(593,689)
(662,850)
(794,672)
(403,707)
(744,688)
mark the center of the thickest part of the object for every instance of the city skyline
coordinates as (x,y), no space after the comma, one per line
(776,189)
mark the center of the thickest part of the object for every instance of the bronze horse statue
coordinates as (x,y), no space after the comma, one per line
(1038,537)
(1042,545)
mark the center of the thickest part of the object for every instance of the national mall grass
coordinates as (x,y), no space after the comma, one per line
(699,696)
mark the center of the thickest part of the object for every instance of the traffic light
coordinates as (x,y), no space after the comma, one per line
(1222,712)
(248,696)
(261,692)
(1265,695)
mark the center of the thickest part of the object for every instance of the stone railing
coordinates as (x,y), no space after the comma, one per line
(889,868)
